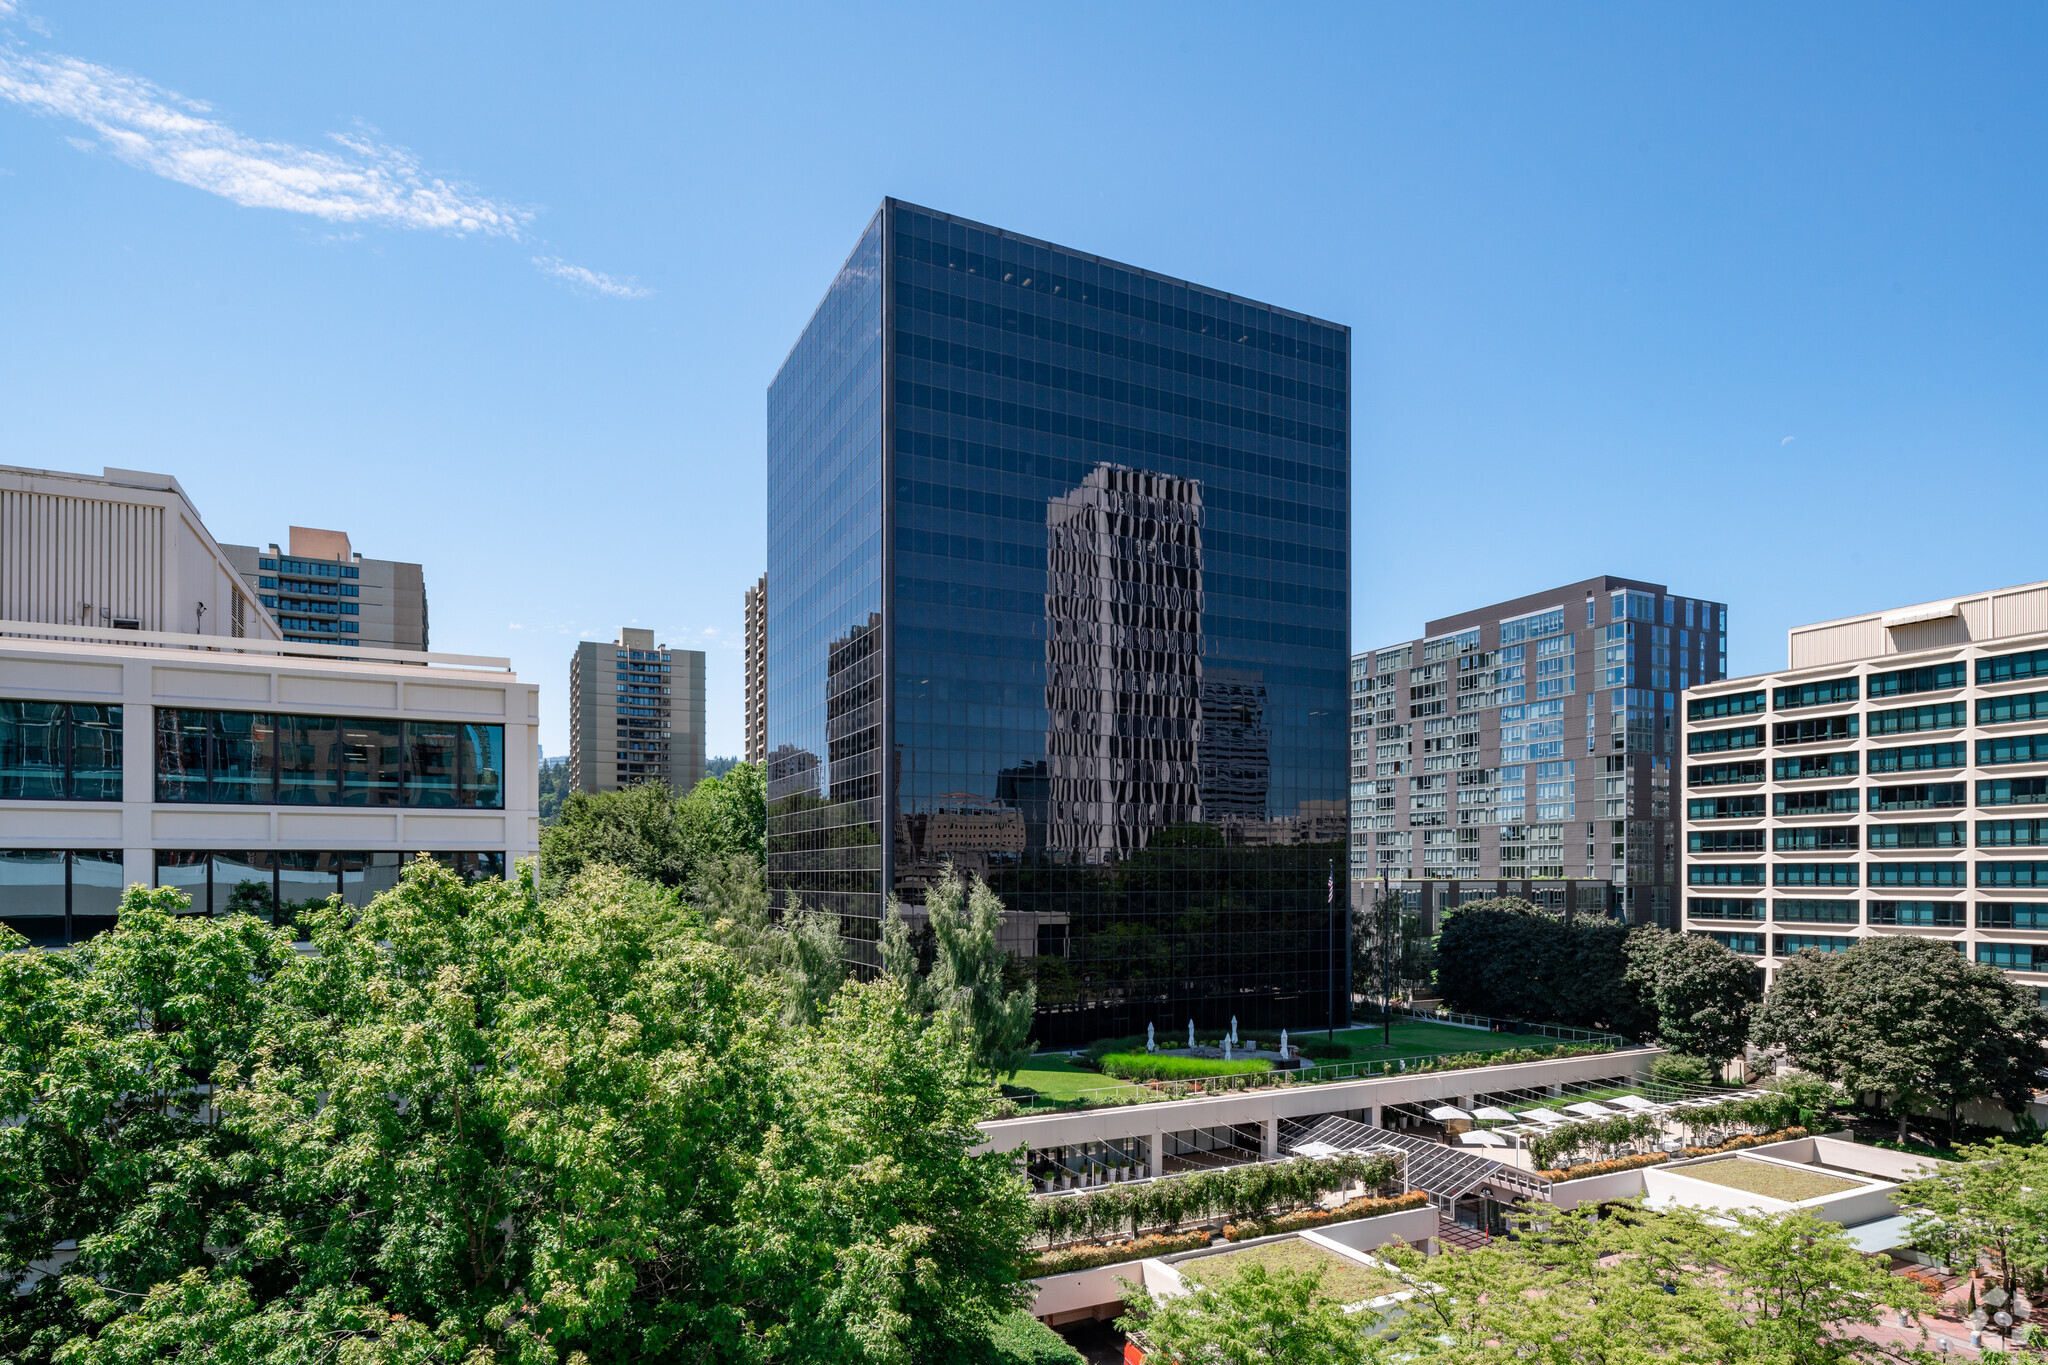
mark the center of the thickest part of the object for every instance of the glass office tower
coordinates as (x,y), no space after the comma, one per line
(1059,594)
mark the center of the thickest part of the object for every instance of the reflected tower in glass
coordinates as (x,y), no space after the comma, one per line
(1059,595)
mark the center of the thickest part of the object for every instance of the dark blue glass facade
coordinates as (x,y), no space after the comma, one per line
(1069,543)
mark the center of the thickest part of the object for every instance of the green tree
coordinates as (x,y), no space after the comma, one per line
(1994,1199)
(1699,994)
(726,816)
(1254,1316)
(1507,958)
(970,981)
(655,837)
(1795,1285)
(873,1233)
(472,1126)
(554,789)
(1910,1018)
(1604,1286)
(635,829)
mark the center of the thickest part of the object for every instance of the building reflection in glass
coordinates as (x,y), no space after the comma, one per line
(1068,542)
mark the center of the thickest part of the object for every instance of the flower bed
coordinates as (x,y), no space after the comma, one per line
(1367,1206)
(1586,1170)
(1068,1259)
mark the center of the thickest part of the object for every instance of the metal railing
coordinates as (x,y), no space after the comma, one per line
(1561,1032)
(1154,1092)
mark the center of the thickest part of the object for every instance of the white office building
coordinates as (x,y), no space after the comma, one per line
(155,727)
(1892,780)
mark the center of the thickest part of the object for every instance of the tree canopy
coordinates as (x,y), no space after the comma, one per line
(464,1124)
(1507,958)
(1910,1018)
(1696,994)
(669,841)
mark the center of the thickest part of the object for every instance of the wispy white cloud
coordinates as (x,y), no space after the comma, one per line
(164,133)
(556,268)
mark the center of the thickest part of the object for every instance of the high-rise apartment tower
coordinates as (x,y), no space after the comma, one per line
(1892,780)
(636,714)
(757,672)
(1060,555)
(324,592)
(1471,776)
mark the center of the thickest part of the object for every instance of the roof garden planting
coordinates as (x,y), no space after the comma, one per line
(1344,1280)
(1770,1179)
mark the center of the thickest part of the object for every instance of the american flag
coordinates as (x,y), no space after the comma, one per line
(1331,893)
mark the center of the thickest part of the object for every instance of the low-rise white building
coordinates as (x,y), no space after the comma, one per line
(1893,779)
(223,759)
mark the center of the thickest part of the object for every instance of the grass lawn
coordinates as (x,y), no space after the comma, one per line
(1344,1280)
(1058,1079)
(1422,1038)
(1773,1182)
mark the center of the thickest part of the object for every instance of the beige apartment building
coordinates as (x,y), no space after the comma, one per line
(1893,779)
(636,714)
(322,589)
(157,728)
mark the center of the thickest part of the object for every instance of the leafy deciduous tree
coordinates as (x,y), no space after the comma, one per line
(1253,1316)
(1696,992)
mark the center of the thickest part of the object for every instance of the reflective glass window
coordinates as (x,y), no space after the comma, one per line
(370,762)
(95,752)
(365,876)
(98,879)
(242,758)
(184,869)
(32,894)
(308,760)
(242,883)
(430,763)
(181,743)
(32,750)
(483,766)
(304,875)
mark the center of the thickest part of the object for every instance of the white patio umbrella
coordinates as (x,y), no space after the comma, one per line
(1450,1113)
(1479,1137)
(1636,1103)
(1590,1110)
(1315,1149)
(1490,1114)
(1544,1116)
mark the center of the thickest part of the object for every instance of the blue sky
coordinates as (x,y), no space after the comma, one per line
(1746,299)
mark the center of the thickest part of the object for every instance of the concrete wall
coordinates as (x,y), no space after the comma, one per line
(1099,1292)
(1076,1127)
(203,675)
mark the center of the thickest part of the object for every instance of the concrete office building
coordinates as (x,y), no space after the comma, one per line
(1060,560)
(323,591)
(1888,781)
(244,768)
(636,714)
(1471,774)
(757,672)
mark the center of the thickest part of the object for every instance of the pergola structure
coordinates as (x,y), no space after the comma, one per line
(1446,1174)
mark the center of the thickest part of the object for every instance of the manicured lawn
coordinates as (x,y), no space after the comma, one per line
(1422,1038)
(1768,1180)
(1058,1079)
(1344,1280)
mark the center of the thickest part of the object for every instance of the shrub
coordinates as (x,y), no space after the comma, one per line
(1068,1259)
(1020,1339)
(1237,1192)
(1593,1168)
(1629,1163)
(1682,1070)
(1366,1206)
(1151,1066)
(1806,1090)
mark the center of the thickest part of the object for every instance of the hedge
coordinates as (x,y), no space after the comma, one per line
(1235,1192)
(1630,1163)
(1072,1258)
(1152,1066)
